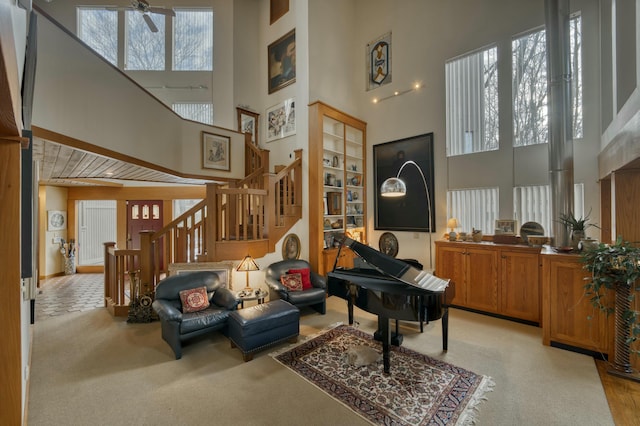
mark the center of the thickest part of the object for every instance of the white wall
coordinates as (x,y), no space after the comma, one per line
(80,95)
(424,36)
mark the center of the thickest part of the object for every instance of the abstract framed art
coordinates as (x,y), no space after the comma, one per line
(281,120)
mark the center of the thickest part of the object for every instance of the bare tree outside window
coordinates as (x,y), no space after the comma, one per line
(193,40)
(529,67)
(98,28)
(530,113)
(144,49)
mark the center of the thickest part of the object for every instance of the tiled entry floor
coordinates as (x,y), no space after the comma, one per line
(69,293)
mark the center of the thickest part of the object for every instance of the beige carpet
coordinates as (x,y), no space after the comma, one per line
(91,369)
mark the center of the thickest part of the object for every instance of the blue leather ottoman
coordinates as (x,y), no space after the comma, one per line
(260,326)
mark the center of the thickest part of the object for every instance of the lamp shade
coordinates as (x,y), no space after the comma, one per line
(393,187)
(452,223)
(248,264)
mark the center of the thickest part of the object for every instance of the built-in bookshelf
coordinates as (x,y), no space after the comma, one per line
(337,189)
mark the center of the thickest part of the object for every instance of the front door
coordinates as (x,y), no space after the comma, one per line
(143,215)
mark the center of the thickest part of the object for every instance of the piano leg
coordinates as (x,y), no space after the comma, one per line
(445,328)
(383,326)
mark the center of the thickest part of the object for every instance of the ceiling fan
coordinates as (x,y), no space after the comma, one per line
(143,7)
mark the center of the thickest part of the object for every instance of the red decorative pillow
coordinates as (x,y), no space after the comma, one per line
(194,300)
(292,281)
(306,277)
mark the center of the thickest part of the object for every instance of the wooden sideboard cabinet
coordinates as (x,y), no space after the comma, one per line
(344,261)
(492,278)
(568,318)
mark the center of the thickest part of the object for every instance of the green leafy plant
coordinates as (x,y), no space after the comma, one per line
(612,266)
(574,224)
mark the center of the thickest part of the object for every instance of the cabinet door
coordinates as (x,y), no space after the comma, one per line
(481,290)
(451,265)
(520,285)
(329,259)
(572,318)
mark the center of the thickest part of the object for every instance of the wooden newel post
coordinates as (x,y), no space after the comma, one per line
(211,223)
(146,262)
(109,268)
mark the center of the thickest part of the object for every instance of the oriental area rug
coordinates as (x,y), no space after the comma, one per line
(419,390)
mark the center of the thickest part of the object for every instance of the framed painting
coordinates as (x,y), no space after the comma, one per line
(291,247)
(216,153)
(281,120)
(505,227)
(248,123)
(282,62)
(379,62)
(410,212)
(277,9)
(56,220)
(223,269)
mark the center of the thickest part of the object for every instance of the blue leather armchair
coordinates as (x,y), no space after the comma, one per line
(314,297)
(178,326)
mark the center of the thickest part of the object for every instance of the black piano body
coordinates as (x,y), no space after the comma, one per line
(372,289)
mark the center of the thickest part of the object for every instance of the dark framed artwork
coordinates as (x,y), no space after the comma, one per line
(408,213)
(277,9)
(282,61)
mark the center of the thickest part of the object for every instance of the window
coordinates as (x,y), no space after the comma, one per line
(202,112)
(533,204)
(96,224)
(474,208)
(529,84)
(193,40)
(472,103)
(98,28)
(144,48)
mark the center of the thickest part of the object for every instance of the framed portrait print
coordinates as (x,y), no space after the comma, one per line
(248,123)
(216,152)
(291,247)
(56,220)
(281,120)
(282,62)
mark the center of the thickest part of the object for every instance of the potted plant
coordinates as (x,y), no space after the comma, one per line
(576,226)
(616,268)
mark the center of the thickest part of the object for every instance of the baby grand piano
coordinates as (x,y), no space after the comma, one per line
(392,289)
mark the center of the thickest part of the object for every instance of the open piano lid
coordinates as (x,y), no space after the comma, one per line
(396,268)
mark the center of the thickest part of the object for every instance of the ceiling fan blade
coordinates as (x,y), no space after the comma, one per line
(150,23)
(162,11)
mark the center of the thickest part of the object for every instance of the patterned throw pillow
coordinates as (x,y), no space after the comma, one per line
(306,277)
(292,281)
(194,300)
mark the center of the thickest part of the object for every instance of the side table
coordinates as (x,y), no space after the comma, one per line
(243,296)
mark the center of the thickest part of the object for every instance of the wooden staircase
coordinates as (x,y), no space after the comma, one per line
(242,217)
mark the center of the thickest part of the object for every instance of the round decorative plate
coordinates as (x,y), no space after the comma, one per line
(388,244)
(530,228)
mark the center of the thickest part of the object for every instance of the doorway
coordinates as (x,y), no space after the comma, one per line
(143,215)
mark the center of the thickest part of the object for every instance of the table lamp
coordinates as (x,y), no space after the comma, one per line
(451,224)
(248,264)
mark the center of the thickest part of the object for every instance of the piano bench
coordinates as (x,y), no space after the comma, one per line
(260,326)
